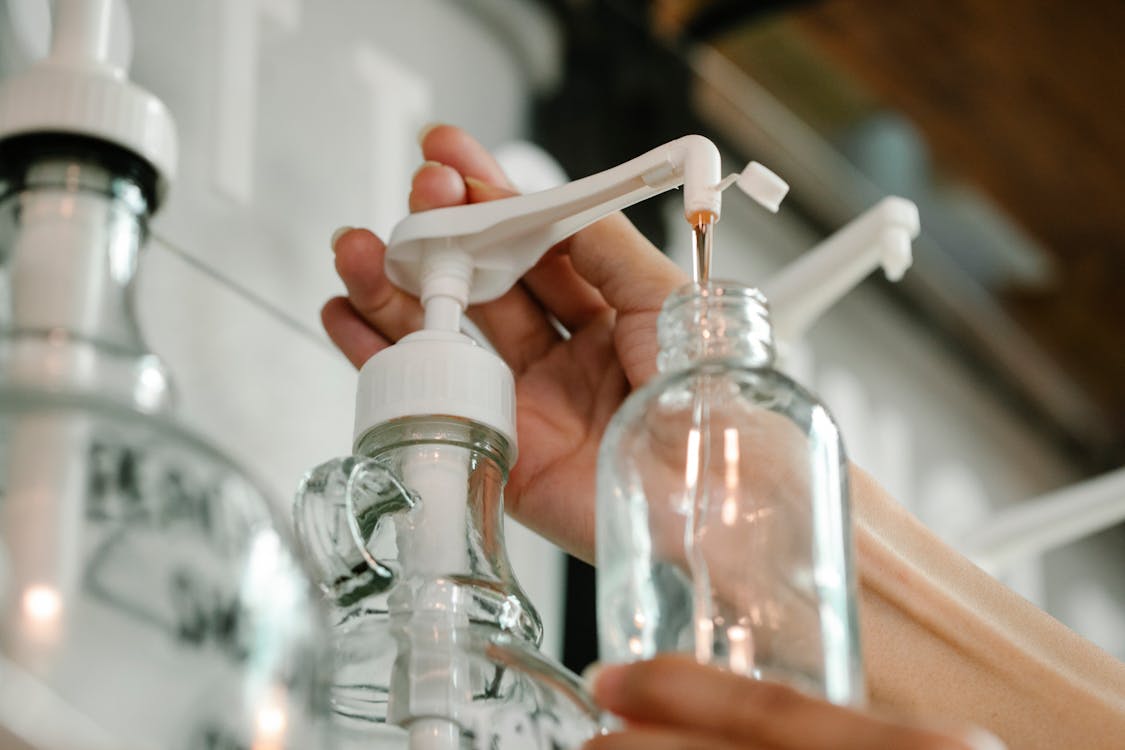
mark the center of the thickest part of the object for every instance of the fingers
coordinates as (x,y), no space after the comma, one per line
(627,269)
(436,185)
(677,692)
(611,258)
(553,281)
(373,302)
(359,262)
(613,264)
(514,323)
(349,332)
(454,147)
(664,739)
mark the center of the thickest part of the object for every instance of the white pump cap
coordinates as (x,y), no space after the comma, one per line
(437,373)
(78,89)
(439,370)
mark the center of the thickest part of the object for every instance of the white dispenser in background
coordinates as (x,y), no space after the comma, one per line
(151,598)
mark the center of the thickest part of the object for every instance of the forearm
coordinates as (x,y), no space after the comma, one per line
(944,640)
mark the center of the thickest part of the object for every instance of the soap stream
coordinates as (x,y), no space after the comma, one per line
(698,491)
(702,231)
(697,472)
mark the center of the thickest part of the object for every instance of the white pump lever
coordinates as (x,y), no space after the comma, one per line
(803,290)
(495,243)
(1037,526)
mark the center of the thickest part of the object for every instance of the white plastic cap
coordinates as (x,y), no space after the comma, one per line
(437,373)
(503,239)
(78,89)
(763,185)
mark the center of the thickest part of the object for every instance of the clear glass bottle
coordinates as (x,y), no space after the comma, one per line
(150,589)
(722,509)
(437,644)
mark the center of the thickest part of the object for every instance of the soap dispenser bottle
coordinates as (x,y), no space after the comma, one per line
(437,644)
(722,507)
(152,599)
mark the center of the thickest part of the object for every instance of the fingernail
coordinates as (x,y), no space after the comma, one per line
(488,188)
(337,235)
(425,131)
(604,679)
(426,165)
(476,184)
(982,739)
(590,674)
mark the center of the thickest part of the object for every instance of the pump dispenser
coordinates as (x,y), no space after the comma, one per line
(435,637)
(151,599)
(438,643)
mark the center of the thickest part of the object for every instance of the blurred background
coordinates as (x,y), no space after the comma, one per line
(987,380)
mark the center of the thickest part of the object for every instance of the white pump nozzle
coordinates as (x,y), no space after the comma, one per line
(501,240)
(801,292)
(763,185)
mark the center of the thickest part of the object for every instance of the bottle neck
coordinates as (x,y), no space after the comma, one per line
(71,231)
(450,553)
(714,321)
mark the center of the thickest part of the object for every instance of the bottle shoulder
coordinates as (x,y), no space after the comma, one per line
(734,395)
(722,382)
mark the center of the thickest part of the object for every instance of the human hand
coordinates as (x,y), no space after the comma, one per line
(605,285)
(673,703)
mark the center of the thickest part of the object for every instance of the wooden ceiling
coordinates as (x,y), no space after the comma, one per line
(1024,100)
(1027,101)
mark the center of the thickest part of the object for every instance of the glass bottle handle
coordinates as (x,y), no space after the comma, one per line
(337,513)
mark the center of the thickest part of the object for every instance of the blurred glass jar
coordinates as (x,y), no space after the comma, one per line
(722,509)
(150,587)
(437,644)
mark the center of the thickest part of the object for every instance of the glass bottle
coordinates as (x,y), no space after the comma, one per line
(150,589)
(437,644)
(722,508)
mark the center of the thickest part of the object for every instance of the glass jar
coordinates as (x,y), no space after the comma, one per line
(153,598)
(437,644)
(722,509)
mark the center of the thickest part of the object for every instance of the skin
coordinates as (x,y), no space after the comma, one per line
(993,659)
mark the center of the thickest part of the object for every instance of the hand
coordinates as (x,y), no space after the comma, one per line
(605,285)
(672,703)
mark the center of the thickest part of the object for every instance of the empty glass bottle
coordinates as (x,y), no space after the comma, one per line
(722,515)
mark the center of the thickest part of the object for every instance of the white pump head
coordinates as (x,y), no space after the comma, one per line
(79,89)
(803,290)
(461,255)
